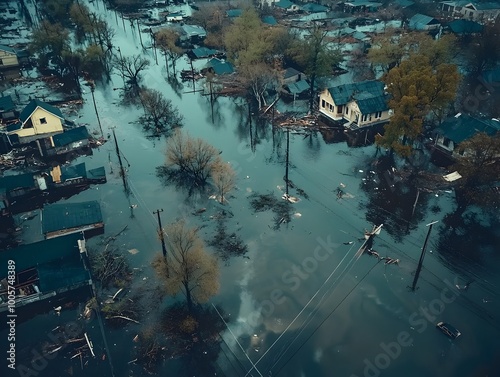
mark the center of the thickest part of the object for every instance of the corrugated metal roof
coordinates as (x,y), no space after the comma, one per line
(465,27)
(33,104)
(7,49)
(33,254)
(73,171)
(203,52)
(298,87)
(220,67)
(314,8)
(97,173)
(70,215)
(463,127)
(285,4)
(70,136)
(373,105)
(418,21)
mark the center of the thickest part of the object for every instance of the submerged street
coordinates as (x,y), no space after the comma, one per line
(301,301)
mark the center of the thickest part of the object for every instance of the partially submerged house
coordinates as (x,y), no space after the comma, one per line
(202,52)
(218,67)
(36,121)
(313,8)
(460,128)
(44,269)
(70,141)
(361,104)
(423,22)
(462,27)
(286,5)
(61,219)
(291,75)
(8,58)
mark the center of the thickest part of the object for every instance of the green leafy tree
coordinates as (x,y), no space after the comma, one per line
(416,89)
(49,41)
(246,40)
(316,56)
(189,269)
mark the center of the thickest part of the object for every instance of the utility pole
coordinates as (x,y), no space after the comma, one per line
(122,170)
(139,30)
(92,88)
(162,238)
(421,261)
(287,158)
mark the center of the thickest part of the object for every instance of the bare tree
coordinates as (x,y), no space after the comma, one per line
(161,116)
(189,269)
(131,68)
(224,178)
(258,79)
(191,156)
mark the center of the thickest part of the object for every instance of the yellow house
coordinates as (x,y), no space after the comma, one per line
(8,57)
(37,120)
(360,104)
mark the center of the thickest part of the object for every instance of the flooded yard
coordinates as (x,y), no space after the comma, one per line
(300,303)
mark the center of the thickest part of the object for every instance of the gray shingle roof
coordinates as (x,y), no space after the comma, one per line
(70,215)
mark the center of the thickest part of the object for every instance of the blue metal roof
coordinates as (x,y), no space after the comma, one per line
(33,254)
(73,171)
(6,104)
(298,87)
(12,182)
(373,105)
(232,13)
(463,127)
(465,27)
(70,215)
(14,127)
(314,8)
(203,52)
(97,173)
(33,104)
(285,4)
(220,67)
(269,20)
(70,136)
(342,94)
(7,49)
(419,21)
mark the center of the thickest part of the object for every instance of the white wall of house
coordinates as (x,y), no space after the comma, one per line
(8,59)
(479,15)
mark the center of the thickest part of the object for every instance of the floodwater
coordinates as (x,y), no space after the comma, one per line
(302,303)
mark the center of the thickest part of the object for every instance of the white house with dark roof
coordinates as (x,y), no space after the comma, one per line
(8,57)
(474,11)
(37,120)
(361,104)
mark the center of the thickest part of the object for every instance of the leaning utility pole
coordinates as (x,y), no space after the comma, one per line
(421,261)
(92,88)
(122,170)
(160,233)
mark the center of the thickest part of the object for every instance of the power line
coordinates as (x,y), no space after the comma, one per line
(324,320)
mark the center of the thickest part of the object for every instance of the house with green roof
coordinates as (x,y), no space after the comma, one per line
(44,269)
(423,22)
(460,128)
(36,121)
(360,104)
(8,57)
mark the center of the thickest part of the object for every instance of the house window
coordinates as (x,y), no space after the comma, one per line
(43,120)
(346,110)
(364,117)
(1,62)
(323,103)
(339,109)
(378,114)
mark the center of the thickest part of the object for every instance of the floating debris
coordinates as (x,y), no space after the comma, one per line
(133,251)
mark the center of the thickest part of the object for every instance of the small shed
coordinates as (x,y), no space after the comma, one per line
(292,75)
(219,67)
